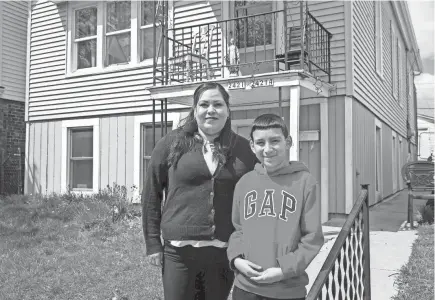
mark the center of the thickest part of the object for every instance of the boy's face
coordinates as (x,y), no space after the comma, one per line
(270,146)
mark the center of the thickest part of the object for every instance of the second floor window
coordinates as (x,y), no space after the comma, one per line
(85,37)
(109,33)
(378,37)
(253,30)
(118,32)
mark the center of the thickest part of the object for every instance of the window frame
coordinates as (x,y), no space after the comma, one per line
(65,167)
(394,166)
(378,168)
(379,60)
(135,40)
(394,64)
(399,74)
(257,48)
(174,117)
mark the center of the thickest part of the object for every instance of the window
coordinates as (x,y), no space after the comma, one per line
(399,73)
(85,37)
(394,162)
(148,143)
(80,155)
(254,31)
(110,34)
(378,161)
(378,37)
(394,61)
(146,30)
(118,32)
(80,162)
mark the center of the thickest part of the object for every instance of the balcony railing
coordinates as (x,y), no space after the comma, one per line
(246,45)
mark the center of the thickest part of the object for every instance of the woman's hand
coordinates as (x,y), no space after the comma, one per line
(247,268)
(156,259)
(269,276)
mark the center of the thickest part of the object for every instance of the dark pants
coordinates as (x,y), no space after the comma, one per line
(239,294)
(191,273)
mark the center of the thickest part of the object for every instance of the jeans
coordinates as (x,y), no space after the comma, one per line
(191,273)
(239,294)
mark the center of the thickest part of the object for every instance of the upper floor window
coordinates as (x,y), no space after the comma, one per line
(254,30)
(394,62)
(109,34)
(400,73)
(378,37)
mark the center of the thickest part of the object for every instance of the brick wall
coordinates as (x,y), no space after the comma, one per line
(12,137)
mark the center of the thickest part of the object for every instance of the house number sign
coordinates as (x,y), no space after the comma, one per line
(234,85)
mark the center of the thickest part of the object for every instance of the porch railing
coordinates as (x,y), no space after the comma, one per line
(319,47)
(346,271)
(244,45)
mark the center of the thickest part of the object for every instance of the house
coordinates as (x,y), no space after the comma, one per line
(13,53)
(109,78)
(426,136)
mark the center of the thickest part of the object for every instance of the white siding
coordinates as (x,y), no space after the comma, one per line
(371,90)
(54,95)
(13,37)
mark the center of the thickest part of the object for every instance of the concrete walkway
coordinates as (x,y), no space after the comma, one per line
(390,245)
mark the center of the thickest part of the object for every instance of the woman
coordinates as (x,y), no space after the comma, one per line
(198,166)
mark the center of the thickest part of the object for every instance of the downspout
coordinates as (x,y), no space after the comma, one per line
(409,136)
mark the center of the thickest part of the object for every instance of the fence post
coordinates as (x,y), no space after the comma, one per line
(367,287)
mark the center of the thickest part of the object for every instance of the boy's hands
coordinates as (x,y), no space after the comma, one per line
(247,268)
(270,275)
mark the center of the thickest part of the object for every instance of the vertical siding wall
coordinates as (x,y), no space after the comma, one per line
(13,37)
(331,15)
(45,154)
(54,94)
(336,155)
(376,93)
(364,153)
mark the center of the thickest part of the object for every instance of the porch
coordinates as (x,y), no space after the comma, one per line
(244,46)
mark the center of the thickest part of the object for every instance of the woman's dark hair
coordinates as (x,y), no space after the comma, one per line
(187,137)
(267,121)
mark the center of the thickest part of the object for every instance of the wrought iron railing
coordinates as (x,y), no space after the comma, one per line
(346,271)
(245,45)
(319,47)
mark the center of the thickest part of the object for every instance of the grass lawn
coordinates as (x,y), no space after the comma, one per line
(416,279)
(69,247)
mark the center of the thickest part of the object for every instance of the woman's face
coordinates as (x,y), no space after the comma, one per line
(211,112)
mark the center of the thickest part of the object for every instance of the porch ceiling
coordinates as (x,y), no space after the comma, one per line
(310,87)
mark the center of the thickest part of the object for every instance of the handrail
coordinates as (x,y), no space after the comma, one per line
(338,264)
(318,23)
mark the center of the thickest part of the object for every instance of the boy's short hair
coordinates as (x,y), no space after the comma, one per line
(267,121)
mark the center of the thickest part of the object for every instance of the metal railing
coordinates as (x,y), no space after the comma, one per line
(245,45)
(346,271)
(319,46)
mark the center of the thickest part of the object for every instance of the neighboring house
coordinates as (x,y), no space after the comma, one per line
(347,96)
(426,136)
(13,53)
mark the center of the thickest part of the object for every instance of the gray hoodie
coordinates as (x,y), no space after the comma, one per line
(277,224)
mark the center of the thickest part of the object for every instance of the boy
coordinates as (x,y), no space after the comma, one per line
(276,217)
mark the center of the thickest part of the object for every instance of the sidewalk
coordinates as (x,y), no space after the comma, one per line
(390,246)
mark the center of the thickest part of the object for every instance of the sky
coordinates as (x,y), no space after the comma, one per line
(422,15)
